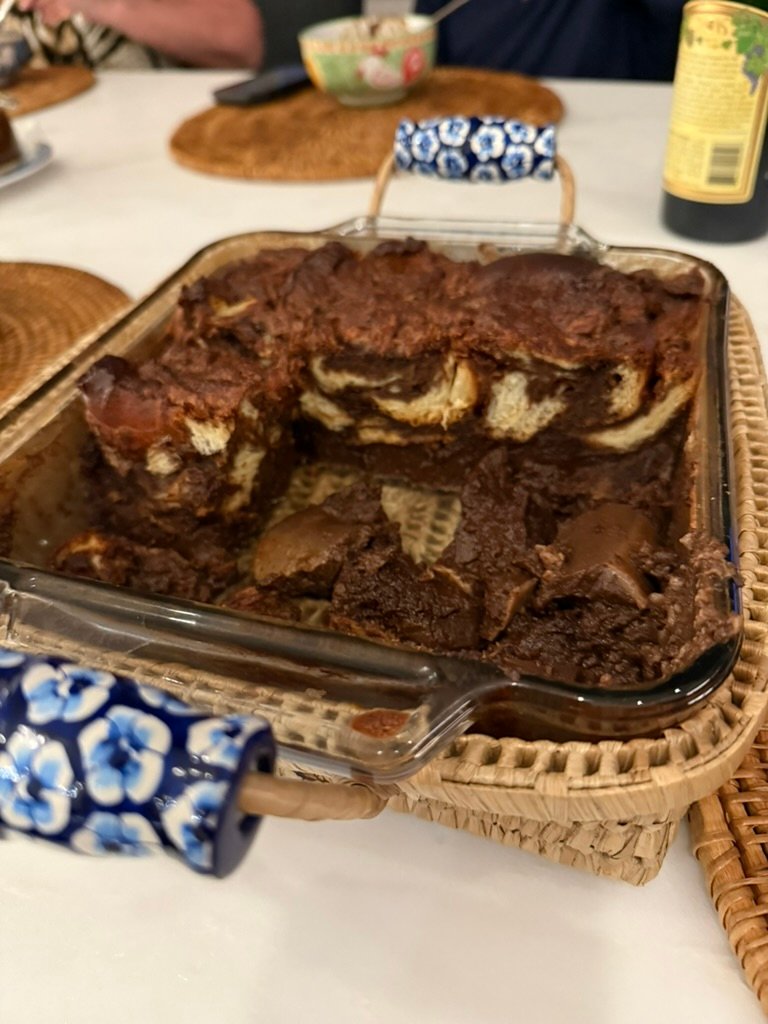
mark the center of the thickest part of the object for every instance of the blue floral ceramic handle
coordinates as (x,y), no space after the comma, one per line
(476,148)
(101,764)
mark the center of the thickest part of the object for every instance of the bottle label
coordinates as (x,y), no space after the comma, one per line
(720,103)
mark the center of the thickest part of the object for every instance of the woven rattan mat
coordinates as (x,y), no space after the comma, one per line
(44,311)
(309,136)
(42,87)
(730,828)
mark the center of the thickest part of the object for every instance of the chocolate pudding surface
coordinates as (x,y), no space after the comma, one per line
(544,399)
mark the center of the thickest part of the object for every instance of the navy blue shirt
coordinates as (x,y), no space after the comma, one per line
(561,38)
(634,39)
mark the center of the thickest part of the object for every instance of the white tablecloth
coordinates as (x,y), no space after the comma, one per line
(371,922)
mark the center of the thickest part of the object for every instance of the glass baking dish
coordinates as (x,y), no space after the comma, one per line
(340,704)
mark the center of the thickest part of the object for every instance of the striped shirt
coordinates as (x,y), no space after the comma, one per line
(76,41)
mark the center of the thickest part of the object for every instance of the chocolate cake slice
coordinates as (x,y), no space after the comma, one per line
(424,350)
(195,436)
(10,153)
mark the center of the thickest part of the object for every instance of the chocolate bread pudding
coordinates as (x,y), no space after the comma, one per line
(10,154)
(539,405)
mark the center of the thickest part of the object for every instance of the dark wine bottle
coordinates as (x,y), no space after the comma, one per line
(716,166)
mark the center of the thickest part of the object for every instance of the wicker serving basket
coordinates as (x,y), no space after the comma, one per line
(611,807)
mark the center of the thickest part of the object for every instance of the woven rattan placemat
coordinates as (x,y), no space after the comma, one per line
(730,839)
(309,136)
(730,828)
(37,88)
(44,311)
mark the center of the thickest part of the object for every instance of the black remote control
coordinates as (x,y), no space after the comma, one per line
(267,86)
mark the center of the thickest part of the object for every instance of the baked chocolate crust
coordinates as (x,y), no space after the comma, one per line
(550,392)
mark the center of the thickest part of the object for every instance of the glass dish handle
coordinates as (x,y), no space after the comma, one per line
(478,149)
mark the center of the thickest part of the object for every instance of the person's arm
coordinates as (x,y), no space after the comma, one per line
(227,33)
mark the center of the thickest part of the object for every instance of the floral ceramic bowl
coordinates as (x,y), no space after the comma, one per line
(14,54)
(369,61)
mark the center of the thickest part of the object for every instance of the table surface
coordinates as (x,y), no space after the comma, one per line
(385,920)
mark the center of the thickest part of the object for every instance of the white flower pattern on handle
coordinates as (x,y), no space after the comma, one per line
(544,170)
(68,693)
(544,145)
(191,821)
(521,133)
(452,163)
(104,832)
(35,784)
(124,755)
(220,741)
(485,172)
(403,155)
(10,659)
(517,161)
(425,144)
(454,131)
(103,764)
(488,142)
(488,148)
(405,129)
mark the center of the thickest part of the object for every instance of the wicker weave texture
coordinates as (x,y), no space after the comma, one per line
(38,88)
(516,791)
(729,835)
(730,828)
(626,851)
(46,315)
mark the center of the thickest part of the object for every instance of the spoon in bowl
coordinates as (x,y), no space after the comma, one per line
(449,8)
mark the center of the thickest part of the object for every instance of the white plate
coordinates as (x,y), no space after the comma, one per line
(33,158)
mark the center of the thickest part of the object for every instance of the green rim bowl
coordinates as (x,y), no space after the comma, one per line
(366,72)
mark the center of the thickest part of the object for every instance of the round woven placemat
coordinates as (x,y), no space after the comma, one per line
(37,88)
(44,311)
(309,136)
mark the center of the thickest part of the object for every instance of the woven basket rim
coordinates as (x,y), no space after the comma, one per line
(729,839)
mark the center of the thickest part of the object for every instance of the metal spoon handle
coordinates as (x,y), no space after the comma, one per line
(449,8)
